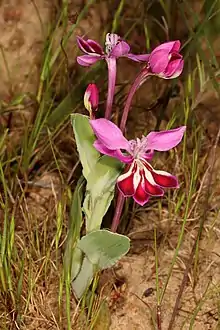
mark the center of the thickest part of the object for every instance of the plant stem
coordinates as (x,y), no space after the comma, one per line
(111,85)
(140,79)
(118,210)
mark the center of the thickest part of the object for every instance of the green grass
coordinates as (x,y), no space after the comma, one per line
(37,215)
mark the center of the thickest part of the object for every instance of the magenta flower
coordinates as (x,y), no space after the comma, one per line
(166,61)
(91,98)
(140,180)
(114,48)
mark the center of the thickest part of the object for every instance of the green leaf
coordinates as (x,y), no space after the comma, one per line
(84,140)
(104,248)
(100,190)
(72,255)
(84,278)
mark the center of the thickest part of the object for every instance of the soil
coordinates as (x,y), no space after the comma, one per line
(24,25)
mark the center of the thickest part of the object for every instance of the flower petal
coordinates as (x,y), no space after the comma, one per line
(174,68)
(148,155)
(83,45)
(87,60)
(125,182)
(109,134)
(150,185)
(165,179)
(122,48)
(138,58)
(95,47)
(170,46)
(112,153)
(158,61)
(141,196)
(165,140)
(160,57)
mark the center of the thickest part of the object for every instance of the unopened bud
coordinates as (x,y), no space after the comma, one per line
(91,98)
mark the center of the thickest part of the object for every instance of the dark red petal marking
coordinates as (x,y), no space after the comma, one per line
(84,46)
(125,181)
(95,47)
(167,181)
(175,56)
(126,185)
(153,190)
(140,196)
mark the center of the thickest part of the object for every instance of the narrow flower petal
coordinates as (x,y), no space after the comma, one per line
(141,196)
(122,48)
(125,182)
(89,46)
(127,159)
(165,140)
(165,179)
(109,134)
(87,60)
(95,47)
(138,58)
(150,185)
(83,45)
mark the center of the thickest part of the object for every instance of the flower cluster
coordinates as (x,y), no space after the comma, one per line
(140,179)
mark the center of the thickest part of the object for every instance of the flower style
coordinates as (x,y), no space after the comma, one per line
(91,99)
(166,61)
(114,48)
(140,180)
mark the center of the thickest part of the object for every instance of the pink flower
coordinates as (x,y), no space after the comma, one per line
(114,48)
(165,60)
(140,180)
(91,98)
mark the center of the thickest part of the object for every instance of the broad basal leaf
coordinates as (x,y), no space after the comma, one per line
(84,140)
(103,248)
(100,190)
(84,278)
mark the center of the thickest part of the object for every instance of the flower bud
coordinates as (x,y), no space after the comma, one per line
(166,61)
(91,98)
